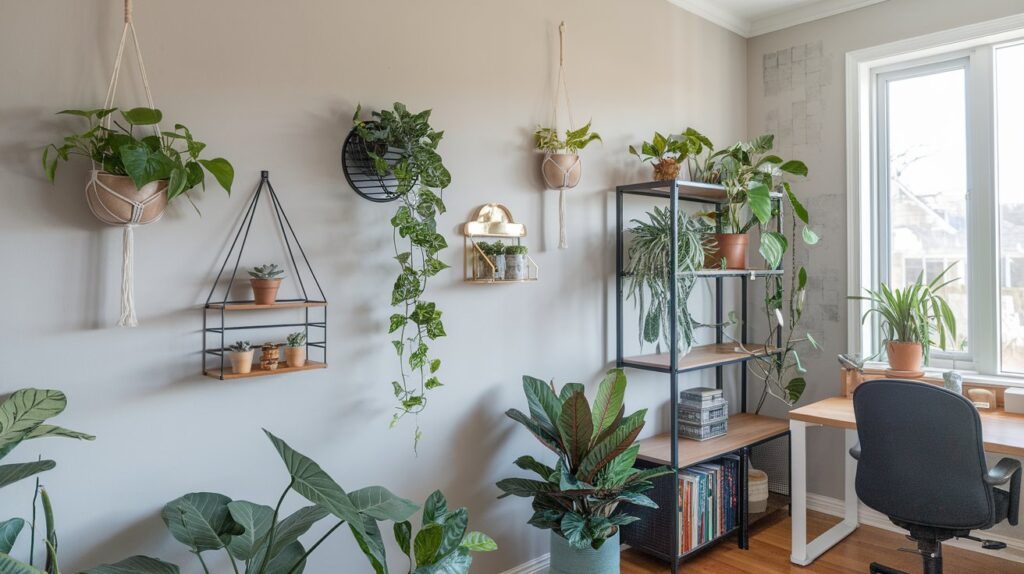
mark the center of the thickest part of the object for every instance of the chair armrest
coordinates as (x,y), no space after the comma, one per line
(855,453)
(1008,469)
(1002,471)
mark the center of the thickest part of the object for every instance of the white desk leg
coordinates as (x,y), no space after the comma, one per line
(806,552)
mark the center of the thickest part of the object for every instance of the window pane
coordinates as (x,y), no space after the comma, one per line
(927,144)
(1010,147)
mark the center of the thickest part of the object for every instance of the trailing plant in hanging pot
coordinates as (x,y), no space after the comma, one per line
(911,321)
(421,176)
(240,354)
(265,281)
(580,498)
(295,349)
(133,167)
(562,167)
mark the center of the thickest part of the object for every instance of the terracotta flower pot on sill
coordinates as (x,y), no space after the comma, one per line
(730,246)
(905,359)
(264,291)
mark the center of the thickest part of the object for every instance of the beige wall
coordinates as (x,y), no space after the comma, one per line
(272,85)
(807,112)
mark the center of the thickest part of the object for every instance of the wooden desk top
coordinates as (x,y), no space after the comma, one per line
(1002,432)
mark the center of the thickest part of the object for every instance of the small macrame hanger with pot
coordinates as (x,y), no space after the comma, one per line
(113,207)
(566,171)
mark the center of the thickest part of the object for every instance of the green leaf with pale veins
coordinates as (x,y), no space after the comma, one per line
(135,565)
(9,530)
(379,503)
(11,473)
(608,402)
(256,519)
(435,509)
(200,520)
(25,410)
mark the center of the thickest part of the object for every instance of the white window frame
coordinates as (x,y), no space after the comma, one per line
(865,69)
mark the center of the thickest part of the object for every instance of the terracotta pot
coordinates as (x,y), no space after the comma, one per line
(731,246)
(295,356)
(903,356)
(114,199)
(561,170)
(264,291)
(666,168)
(241,361)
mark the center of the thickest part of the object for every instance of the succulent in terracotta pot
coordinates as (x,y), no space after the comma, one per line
(240,354)
(295,350)
(266,280)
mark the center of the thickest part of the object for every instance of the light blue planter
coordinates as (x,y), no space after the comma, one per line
(568,560)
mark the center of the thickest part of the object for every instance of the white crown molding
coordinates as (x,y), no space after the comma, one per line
(750,27)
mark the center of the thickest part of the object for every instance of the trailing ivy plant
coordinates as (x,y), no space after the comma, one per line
(421,176)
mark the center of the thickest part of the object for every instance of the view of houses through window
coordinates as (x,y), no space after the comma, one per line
(1010,153)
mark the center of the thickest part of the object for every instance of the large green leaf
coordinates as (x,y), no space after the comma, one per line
(524,487)
(287,559)
(568,389)
(9,530)
(142,116)
(256,519)
(545,407)
(9,565)
(11,473)
(135,565)
(25,410)
(145,165)
(371,543)
(457,562)
(544,436)
(379,503)
(427,542)
(479,542)
(54,430)
(606,450)
(288,531)
(759,200)
(200,520)
(608,403)
(620,468)
(574,528)
(403,536)
(576,427)
(435,509)
(310,481)
(798,208)
(773,247)
(794,167)
(221,170)
(527,462)
(454,530)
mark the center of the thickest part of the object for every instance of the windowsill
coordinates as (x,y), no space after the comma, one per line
(969,376)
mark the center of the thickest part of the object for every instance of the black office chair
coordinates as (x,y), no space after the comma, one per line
(921,462)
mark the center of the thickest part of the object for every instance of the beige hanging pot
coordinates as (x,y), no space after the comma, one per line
(561,170)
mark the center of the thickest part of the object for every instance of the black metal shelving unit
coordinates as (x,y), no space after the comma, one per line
(226,306)
(752,436)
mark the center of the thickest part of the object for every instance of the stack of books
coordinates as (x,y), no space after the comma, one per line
(703,413)
(708,501)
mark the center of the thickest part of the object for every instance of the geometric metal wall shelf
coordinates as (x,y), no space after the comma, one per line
(362,175)
(220,314)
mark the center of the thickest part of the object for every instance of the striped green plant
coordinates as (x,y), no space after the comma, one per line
(913,314)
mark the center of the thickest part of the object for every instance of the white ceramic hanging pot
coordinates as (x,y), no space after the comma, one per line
(561,170)
(115,200)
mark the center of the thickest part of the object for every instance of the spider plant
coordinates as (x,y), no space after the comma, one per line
(649,269)
(913,314)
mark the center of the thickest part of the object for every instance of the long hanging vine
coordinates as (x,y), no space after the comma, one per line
(421,176)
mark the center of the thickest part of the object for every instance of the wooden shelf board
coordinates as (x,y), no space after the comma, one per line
(688,190)
(744,429)
(733,272)
(499,281)
(279,305)
(257,372)
(699,357)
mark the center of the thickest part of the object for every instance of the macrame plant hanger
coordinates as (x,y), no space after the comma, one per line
(562,89)
(137,205)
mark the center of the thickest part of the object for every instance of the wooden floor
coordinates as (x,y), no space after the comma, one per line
(770,548)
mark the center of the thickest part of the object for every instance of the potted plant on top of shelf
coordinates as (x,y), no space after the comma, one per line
(750,174)
(579,498)
(265,281)
(562,167)
(666,153)
(911,321)
(648,272)
(132,168)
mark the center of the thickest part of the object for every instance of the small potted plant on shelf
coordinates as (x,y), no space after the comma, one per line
(295,350)
(241,357)
(496,256)
(750,174)
(515,262)
(666,153)
(266,280)
(480,257)
(562,166)
(132,168)
(911,321)
(579,497)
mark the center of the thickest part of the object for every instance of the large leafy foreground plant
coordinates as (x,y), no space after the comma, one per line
(257,542)
(579,497)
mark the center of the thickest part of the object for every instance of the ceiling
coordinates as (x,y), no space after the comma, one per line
(750,18)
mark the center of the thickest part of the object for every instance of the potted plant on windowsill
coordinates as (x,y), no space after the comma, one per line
(265,281)
(562,167)
(295,350)
(578,499)
(911,321)
(131,168)
(240,354)
(515,262)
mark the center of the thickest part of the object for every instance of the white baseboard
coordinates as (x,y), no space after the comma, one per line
(1014,550)
(538,565)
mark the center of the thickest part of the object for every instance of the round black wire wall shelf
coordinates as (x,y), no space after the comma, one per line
(360,172)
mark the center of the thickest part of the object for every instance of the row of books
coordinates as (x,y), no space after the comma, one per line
(708,496)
